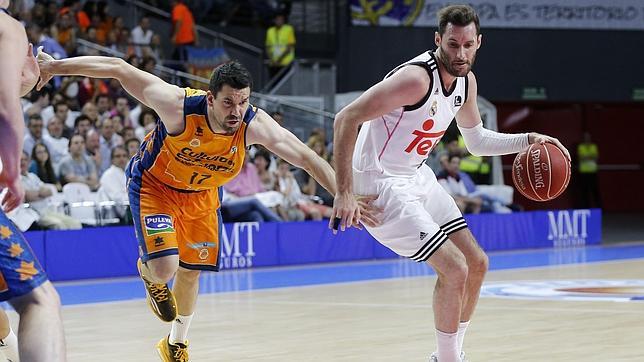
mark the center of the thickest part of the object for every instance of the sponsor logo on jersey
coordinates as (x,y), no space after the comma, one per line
(576,290)
(190,157)
(233,149)
(195,142)
(458,100)
(424,141)
(199,132)
(158,224)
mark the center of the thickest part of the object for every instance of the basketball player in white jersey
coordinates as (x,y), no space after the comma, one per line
(402,118)
(23,283)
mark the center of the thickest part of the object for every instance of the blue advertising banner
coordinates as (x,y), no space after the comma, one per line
(112,252)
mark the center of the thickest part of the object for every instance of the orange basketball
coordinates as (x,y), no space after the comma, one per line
(541,172)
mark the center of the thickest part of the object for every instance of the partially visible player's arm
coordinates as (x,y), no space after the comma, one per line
(13,42)
(265,131)
(166,99)
(484,142)
(405,87)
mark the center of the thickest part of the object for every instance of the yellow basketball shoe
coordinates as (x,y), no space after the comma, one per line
(172,352)
(160,298)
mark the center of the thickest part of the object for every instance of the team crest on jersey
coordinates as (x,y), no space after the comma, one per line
(195,143)
(158,224)
(233,149)
(458,101)
(433,109)
(199,132)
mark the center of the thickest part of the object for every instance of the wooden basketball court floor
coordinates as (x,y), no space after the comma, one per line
(380,311)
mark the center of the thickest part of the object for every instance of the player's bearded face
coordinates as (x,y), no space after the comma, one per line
(458,49)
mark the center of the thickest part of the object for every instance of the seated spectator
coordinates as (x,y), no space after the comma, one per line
(309,185)
(56,143)
(294,199)
(42,167)
(451,181)
(247,182)
(147,121)
(76,167)
(38,196)
(262,162)
(108,140)
(132,146)
(245,209)
(34,133)
(82,124)
(91,111)
(113,183)
(93,147)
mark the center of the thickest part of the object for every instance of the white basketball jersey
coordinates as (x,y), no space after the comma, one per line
(398,143)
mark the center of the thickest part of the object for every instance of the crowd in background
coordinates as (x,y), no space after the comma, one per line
(82,132)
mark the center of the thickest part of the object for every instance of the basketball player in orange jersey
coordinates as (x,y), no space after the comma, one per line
(175,180)
(402,118)
(22,281)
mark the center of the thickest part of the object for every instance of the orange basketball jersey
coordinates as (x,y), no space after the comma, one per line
(197,159)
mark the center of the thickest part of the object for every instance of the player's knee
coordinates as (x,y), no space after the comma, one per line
(44,296)
(456,273)
(162,270)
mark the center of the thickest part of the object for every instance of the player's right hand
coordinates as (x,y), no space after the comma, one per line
(45,64)
(15,193)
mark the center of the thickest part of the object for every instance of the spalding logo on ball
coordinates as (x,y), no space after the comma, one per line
(541,172)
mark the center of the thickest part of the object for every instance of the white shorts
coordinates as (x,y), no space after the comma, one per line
(418,214)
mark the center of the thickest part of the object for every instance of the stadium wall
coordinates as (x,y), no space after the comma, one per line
(112,252)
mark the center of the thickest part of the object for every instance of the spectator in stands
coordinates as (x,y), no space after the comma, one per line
(80,15)
(247,182)
(64,31)
(309,185)
(122,109)
(148,64)
(451,181)
(295,200)
(588,154)
(132,145)
(76,167)
(34,126)
(147,121)
(61,110)
(91,112)
(108,140)
(155,49)
(262,162)
(38,100)
(127,133)
(245,209)
(113,187)
(39,39)
(42,167)
(184,32)
(38,195)
(56,143)
(82,124)
(280,45)
(93,147)
(142,37)
(103,106)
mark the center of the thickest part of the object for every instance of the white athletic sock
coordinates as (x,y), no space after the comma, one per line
(462,327)
(447,350)
(179,331)
(9,346)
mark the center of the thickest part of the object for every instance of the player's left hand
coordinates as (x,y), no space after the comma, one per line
(369,213)
(534,137)
(45,64)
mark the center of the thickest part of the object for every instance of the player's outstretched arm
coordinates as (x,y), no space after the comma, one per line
(484,142)
(166,99)
(405,87)
(265,131)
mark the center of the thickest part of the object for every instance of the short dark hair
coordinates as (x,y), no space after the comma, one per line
(459,15)
(115,149)
(233,74)
(81,118)
(58,104)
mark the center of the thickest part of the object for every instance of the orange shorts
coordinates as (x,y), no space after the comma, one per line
(168,221)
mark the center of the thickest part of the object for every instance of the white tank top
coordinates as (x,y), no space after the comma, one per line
(398,143)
